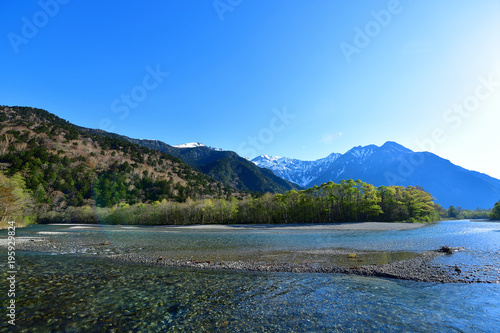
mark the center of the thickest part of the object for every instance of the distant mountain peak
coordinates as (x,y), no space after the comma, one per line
(394,146)
(269,157)
(362,152)
(195,145)
(190,145)
(333,155)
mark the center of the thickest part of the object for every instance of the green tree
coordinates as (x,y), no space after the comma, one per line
(452,212)
(40,194)
(495,212)
(16,203)
(369,206)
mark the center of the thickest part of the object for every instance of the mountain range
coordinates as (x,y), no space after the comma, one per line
(392,164)
(30,136)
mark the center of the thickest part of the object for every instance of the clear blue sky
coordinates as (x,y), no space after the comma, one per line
(292,78)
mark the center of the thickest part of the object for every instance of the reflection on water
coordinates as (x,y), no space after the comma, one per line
(83,293)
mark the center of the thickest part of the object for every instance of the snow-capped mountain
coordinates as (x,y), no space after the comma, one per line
(190,145)
(392,164)
(195,145)
(294,170)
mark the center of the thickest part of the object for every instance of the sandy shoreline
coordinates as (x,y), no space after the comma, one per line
(375,226)
(371,226)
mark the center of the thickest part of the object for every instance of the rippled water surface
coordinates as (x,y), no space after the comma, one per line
(86,292)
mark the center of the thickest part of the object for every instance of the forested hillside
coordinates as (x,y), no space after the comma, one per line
(53,171)
(65,166)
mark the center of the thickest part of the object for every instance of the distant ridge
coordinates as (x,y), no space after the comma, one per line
(393,164)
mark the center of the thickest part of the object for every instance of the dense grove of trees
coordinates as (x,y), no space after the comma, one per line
(349,201)
(459,213)
(46,171)
(119,185)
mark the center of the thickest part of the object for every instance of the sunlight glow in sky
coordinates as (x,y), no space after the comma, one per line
(298,78)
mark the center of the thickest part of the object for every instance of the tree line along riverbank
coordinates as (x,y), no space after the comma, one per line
(347,201)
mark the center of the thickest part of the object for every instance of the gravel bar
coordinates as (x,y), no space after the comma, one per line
(416,269)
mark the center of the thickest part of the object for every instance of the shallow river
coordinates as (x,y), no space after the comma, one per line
(79,289)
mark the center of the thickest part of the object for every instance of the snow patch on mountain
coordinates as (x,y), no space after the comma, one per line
(295,170)
(195,145)
(190,145)
(361,153)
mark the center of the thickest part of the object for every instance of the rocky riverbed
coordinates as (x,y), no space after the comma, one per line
(406,266)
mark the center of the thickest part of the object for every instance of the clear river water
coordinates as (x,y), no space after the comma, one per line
(78,287)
